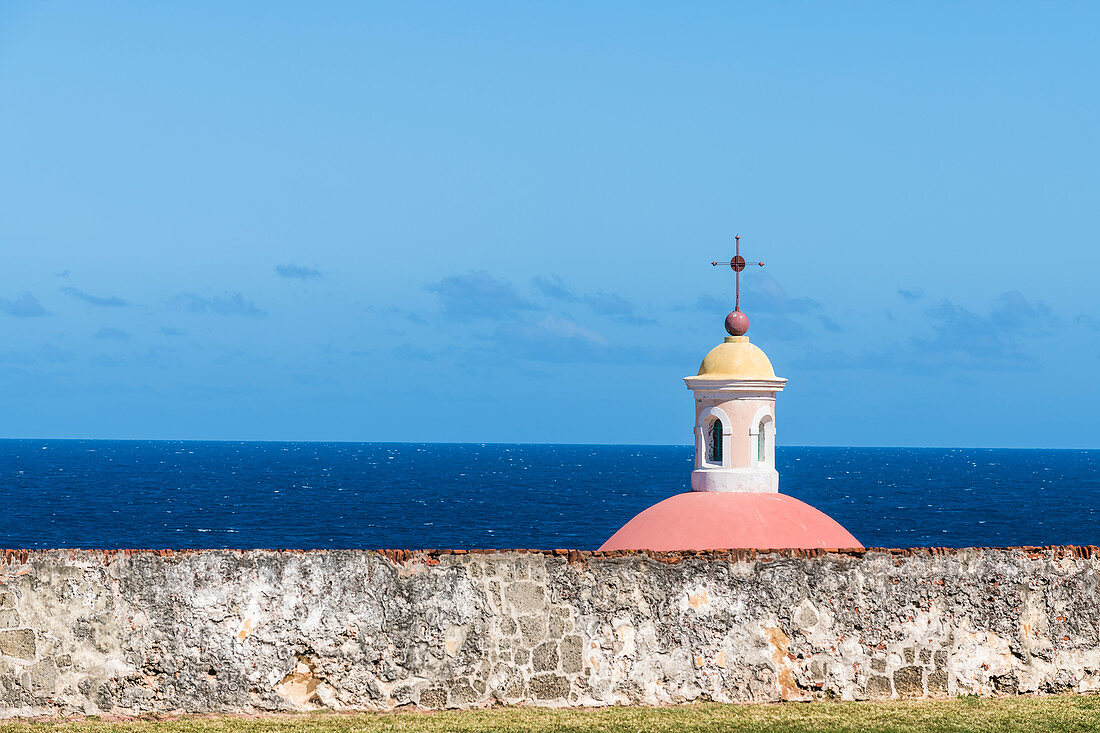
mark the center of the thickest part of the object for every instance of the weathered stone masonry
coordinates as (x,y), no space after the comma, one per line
(126,632)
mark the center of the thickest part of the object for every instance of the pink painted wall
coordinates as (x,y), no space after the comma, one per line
(741,413)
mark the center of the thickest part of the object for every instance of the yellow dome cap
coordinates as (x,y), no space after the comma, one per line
(736,358)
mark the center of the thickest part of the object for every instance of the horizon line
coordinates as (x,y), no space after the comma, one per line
(532,443)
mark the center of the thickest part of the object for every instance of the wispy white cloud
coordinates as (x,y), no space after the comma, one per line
(478,295)
(112,334)
(558,339)
(109,301)
(956,339)
(229,304)
(760,294)
(45,354)
(1089,322)
(911,295)
(298,272)
(409,352)
(23,306)
(601,302)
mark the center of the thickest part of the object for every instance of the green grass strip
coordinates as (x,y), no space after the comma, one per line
(1011,715)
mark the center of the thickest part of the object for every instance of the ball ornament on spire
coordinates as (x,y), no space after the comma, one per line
(737,323)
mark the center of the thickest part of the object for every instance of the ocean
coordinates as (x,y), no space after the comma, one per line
(196,494)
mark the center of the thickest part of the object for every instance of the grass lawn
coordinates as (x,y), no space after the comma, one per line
(1032,714)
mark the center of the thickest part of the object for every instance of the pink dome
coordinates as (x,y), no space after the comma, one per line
(713,520)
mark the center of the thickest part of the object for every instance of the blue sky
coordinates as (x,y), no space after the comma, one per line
(494,222)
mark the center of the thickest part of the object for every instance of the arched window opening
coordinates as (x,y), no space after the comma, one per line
(714,442)
(762,442)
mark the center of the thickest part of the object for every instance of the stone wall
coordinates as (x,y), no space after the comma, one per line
(246,631)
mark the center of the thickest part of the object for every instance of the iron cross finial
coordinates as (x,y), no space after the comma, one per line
(737,264)
(737,321)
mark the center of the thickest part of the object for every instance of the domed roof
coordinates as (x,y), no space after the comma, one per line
(736,358)
(719,520)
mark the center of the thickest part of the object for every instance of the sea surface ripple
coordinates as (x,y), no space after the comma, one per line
(192,494)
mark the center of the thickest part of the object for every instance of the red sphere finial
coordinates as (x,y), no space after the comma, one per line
(737,323)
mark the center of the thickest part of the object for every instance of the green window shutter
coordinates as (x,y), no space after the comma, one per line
(716,441)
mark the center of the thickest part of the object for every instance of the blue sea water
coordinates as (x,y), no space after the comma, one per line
(167,494)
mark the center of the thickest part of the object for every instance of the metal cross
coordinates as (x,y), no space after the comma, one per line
(738,264)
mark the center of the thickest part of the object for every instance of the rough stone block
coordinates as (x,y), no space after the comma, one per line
(463,693)
(525,597)
(878,687)
(557,627)
(572,661)
(515,689)
(434,698)
(17,643)
(937,683)
(532,629)
(545,657)
(43,675)
(479,685)
(9,618)
(805,616)
(522,567)
(549,687)
(908,682)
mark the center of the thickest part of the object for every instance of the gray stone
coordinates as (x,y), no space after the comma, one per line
(9,618)
(937,683)
(545,657)
(43,675)
(804,616)
(557,627)
(515,689)
(532,629)
(433,698)
(525,598)
(878,687)
(463,693)
(549,687)
(17,643)
(908,682)
(571,651)
(7,600)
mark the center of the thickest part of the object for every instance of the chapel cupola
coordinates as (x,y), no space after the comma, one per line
(734,500)
(735,393)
